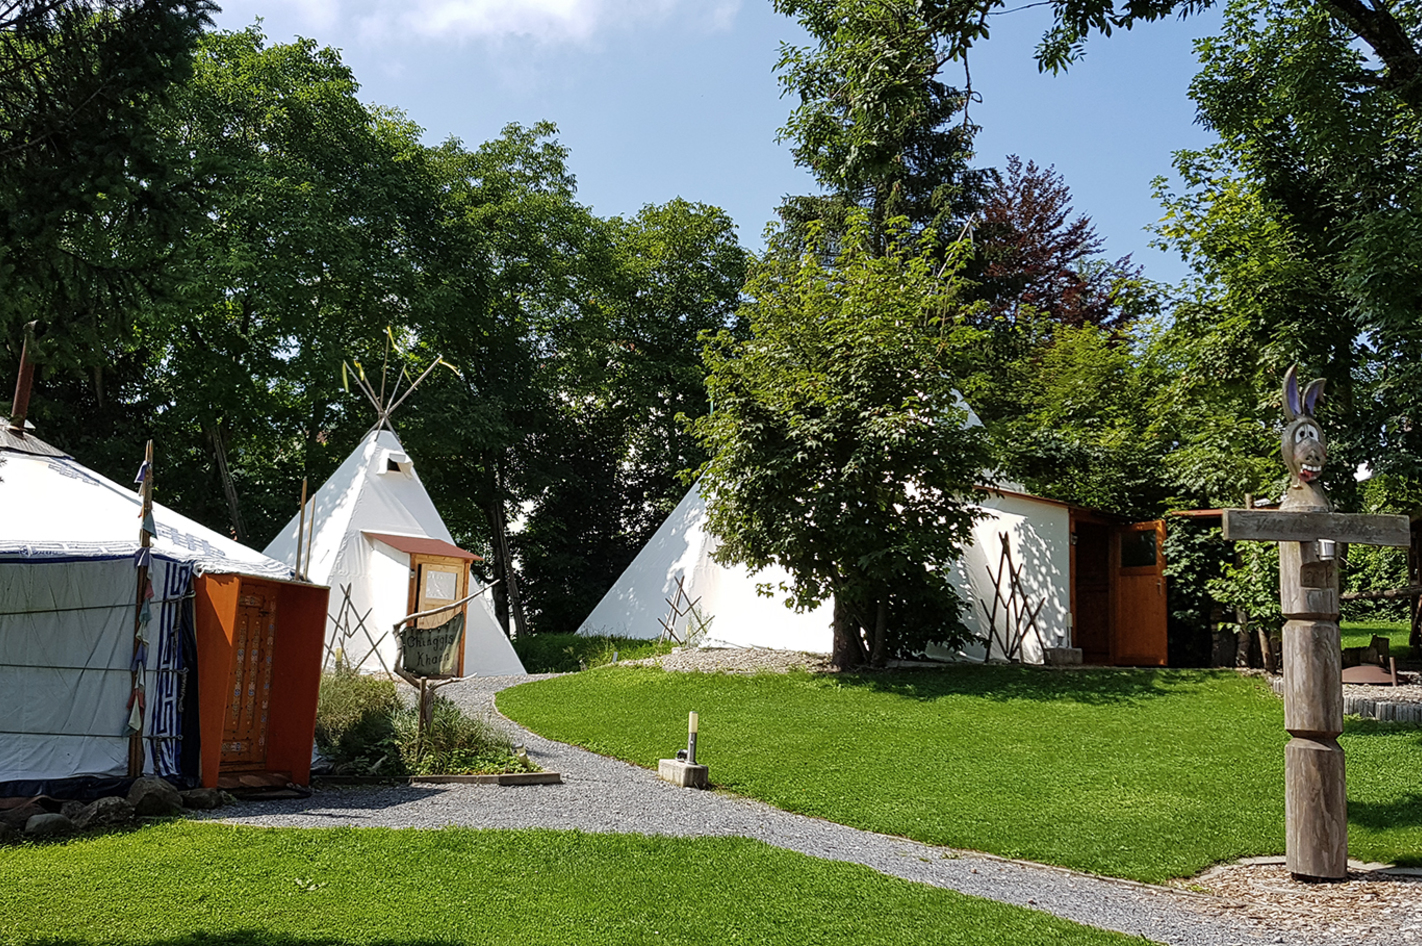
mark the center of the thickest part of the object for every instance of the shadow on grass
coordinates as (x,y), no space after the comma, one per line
(1405,812)
(254,937)
(1365,726)
(1096,686)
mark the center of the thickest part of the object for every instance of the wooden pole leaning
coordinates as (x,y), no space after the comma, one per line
(1307,530)
(135,737)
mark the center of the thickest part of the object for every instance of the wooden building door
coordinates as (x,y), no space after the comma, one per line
(244,732)
(1138,622)
(437,580)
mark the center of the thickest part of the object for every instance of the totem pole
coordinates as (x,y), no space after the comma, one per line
(1307,530)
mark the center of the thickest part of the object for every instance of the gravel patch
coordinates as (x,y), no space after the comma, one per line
(605,795)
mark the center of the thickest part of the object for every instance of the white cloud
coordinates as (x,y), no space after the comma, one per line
(550,21)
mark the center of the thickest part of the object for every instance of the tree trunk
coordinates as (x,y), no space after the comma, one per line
(229,488)
(1241,654)
(508,604)
(881,627)
(848,651)
(1266,648)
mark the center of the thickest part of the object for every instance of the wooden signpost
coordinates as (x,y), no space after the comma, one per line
(1307,530)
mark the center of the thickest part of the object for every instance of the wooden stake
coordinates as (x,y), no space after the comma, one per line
(300,529)
(135,739)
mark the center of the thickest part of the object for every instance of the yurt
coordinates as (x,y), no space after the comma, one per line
(190,656)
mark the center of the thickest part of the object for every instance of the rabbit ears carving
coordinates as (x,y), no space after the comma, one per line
(1296,407)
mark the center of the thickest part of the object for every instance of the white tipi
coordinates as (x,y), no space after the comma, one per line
(719,602)
(676,566)
(377,532)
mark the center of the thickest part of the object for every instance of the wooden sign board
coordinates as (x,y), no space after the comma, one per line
(1268,525)
(433,651)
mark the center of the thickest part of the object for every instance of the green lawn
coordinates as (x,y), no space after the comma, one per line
(191,884)
(1131,773)
(566,653)
(1360,634)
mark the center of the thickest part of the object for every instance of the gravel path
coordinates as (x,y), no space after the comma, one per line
(604,795)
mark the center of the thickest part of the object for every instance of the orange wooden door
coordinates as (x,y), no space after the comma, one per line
(244,732)
(1138,624)
(438,580)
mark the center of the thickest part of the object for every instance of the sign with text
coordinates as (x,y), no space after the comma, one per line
(433,651)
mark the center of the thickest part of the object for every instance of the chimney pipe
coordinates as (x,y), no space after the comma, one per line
(21,405)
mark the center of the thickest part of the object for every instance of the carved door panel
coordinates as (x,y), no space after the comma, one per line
(244,732)
(1138,624)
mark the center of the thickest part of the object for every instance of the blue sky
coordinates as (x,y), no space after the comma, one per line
(665,98)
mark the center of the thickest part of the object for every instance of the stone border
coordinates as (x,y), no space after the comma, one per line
(496,778)
(1387,710)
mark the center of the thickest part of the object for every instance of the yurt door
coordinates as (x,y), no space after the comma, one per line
(437,580)
(1138,626)
(244,734)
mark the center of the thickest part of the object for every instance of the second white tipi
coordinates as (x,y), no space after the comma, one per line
(377,531)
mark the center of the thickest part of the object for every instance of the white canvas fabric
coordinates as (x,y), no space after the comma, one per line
(377,490)
(66,649)
(56,507)
(726,595)
(738,615)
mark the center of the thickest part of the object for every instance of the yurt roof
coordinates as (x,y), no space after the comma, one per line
(57,508)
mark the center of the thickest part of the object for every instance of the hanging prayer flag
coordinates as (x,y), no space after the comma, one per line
(140,657)
(148,525)
(143,558)
(142,473)
(148,589)
(145,613)
(135,719)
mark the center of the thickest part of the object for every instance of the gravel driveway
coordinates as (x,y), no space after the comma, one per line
(605,795)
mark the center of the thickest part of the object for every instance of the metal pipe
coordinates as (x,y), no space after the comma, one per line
(692,724)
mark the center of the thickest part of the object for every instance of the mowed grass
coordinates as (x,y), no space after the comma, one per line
(185,883)
(1360,634)
(1131,773)
(566,653)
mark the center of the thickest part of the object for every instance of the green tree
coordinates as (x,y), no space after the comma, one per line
(840,447)
(91,200)
(618,448)
(875,125)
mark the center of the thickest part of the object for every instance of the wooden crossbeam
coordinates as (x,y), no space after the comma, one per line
(1267,525)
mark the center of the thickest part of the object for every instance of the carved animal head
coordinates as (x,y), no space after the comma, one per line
(1304,449)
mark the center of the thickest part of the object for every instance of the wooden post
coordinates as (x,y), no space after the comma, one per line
(1306,528)
(135,738)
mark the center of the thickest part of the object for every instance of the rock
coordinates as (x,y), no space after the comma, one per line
(71,809)
(48,825)
(17,818)
(104,813)
(154,797)
(203,799)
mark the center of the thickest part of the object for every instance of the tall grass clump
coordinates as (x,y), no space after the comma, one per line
(364,728)
(568,653)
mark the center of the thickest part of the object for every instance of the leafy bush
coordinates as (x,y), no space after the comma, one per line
(454,743)
(1375,568)
(363,728)
(355,723)
(568,653)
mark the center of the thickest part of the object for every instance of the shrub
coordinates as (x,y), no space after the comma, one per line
(363,728)
(454,743)
(567,653)
(355,723)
